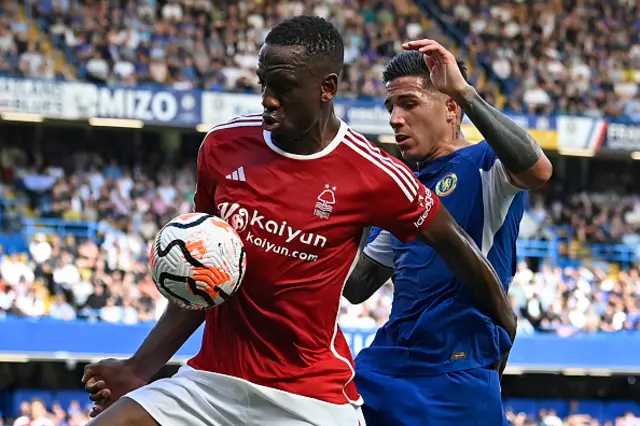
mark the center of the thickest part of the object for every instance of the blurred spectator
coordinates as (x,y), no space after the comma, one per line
(575,299)
(61,310)
(38,416)
(550,418)
(35,413)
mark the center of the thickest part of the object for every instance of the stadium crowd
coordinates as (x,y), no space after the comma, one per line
(596,217)
(551,418)
(106,278)
(575,57)
(580,57)
(36,413)
(187,44)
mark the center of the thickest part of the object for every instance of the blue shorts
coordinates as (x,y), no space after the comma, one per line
(460,398)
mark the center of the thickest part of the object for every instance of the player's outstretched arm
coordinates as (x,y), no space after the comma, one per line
(173,329)
(108,380)
(520,154)
(367,277)
(466,260)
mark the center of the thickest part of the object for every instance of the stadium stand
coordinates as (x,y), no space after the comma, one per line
(105,276)
(89,219)
(554,56)
(198,44)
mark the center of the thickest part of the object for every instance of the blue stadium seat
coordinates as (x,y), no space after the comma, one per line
(613,409)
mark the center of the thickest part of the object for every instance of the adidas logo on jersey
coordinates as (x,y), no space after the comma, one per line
(237,175)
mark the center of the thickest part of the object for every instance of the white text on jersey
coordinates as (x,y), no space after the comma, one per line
(242,220)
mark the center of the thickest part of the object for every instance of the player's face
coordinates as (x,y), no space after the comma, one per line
(292,94)
(420,117)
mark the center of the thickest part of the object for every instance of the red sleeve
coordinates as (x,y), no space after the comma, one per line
(205,182)
(403,205)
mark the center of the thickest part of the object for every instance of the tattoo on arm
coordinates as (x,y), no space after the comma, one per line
(517,150)
(365,279)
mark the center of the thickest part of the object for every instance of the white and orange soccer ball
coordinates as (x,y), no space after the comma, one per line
(198,261)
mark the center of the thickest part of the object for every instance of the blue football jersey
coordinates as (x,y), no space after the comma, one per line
(434,327)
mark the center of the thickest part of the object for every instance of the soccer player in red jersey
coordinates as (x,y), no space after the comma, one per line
(301,188)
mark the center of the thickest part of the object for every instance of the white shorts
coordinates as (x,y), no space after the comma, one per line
(201,398)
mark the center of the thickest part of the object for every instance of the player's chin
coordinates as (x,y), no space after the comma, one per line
(410,153)
(284,132)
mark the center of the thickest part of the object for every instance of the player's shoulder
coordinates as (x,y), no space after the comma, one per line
(378,166)
(240,127)
(481,155)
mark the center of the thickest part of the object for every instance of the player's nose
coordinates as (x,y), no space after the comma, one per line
(270,102)
(396,120)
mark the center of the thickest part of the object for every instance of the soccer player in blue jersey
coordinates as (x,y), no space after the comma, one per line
(438,359)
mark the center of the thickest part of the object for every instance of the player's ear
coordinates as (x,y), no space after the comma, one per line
(329,87)
(453,110)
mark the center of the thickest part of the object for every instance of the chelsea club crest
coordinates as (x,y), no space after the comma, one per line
(446,185)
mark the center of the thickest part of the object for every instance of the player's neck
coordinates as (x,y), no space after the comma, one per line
(444,148)
(315,140)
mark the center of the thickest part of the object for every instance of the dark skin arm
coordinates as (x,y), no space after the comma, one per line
(365,279)
(462,255)
(107,380)
(502,364)
(173,329)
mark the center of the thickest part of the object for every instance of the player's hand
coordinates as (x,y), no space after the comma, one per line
(108,380)
(445,73)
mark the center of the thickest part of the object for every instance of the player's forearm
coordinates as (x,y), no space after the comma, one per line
(517,150)
(171,332)
(367,277)
(475,270)
(466,260)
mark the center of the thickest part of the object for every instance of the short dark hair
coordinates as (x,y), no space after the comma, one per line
(412,63)
(320,39)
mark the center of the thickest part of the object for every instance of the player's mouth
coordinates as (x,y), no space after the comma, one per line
(269,122)
(402,141)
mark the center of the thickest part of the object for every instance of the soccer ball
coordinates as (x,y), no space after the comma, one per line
(197,261)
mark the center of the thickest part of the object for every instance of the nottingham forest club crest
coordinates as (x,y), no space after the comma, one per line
(446,185)
(324,203)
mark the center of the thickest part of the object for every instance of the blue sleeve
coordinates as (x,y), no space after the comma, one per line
(379,248)
(496,180)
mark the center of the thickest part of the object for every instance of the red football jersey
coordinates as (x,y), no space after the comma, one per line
(303,219)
